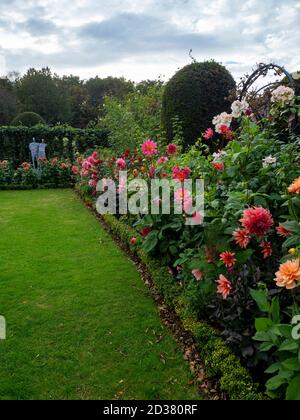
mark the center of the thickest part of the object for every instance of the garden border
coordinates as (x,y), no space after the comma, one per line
(216,358)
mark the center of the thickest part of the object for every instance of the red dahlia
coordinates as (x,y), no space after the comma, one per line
(257,221)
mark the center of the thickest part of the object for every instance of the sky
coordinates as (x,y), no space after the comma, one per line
(146,39)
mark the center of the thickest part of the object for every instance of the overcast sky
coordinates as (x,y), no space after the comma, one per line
(141,39)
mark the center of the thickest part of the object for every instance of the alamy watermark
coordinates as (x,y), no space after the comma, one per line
(296,328)
(157,196)
(2,328)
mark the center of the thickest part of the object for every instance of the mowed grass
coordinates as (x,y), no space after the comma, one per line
(80,322)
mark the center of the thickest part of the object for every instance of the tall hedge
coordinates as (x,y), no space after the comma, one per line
(195,94)
(61,141)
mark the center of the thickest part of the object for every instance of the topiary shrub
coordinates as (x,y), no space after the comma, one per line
(195,94)
(28,119)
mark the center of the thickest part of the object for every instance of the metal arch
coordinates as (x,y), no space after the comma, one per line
(261,71)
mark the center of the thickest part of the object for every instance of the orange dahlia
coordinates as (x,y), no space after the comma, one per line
(294,188)
(288,274)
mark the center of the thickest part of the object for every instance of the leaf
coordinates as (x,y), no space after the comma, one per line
(263,324)
(283,330)
(275,382)
(288,345)
(262,336)
(292,241)
(292,364)
(273,368)
(260,297)
(243,256)
(275,310)
(293,390)
(292,226)
(151,241)
(266,346)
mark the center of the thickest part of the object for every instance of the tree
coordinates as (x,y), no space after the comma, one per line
(98,88)
(8,101)
(39,91)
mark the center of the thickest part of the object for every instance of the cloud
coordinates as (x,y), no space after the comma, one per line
(39,27)
(145,39)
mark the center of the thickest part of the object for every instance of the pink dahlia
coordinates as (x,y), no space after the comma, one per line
(208,134)
(75,170)
(171,149)
(198,274)
(121,163)
(224,286)
(149,148)
(162,160)
(257,220)
(242,237)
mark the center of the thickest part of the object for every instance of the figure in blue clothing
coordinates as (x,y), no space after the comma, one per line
(42,150)
(34,149)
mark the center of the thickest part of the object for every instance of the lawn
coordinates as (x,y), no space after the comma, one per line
(80,322)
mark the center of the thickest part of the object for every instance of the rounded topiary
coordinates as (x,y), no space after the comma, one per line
(195,94)
(28,119)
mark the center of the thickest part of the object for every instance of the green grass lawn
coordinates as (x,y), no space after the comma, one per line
(80,322)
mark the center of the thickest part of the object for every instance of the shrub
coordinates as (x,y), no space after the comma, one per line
(28,119)
(195,95)
(135,118)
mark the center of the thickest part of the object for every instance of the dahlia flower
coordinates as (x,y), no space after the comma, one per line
(197,274)
(171,149)
(294,188)
(282,231)
(257,221)
(149,148)
(208,134)
(224,286)
(228,258)
(242,237)
(288,274)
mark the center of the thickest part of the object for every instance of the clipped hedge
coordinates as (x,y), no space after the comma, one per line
(28,119)
(195,94)
(217,357)
(62,141)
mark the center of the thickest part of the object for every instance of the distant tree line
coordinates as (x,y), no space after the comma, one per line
(65,100)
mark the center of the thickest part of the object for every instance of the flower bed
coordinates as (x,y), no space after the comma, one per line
(239,267)
(52,173)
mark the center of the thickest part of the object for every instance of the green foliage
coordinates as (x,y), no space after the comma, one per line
(62,141)
(39,91)
(27,119)
(8,102)
(134,119)
(278,338)
(195,95)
